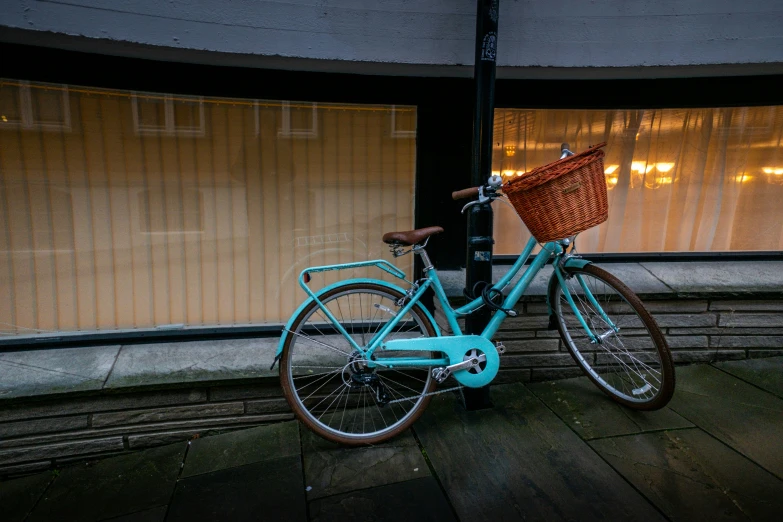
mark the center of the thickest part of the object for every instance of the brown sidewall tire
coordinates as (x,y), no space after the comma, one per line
(662,347)
(290,394)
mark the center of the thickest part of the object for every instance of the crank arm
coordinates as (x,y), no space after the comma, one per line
(441,374)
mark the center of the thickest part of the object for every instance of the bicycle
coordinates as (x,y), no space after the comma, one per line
(367,376)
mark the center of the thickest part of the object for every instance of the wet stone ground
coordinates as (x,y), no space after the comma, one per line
(547,451)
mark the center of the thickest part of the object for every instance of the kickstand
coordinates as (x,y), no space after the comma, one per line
(475,399)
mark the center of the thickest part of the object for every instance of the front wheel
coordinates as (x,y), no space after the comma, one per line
(631,362)
(326,382)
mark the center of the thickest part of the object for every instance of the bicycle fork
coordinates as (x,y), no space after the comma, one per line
(595,337)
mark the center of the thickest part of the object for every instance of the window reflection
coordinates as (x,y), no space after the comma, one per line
(34,108)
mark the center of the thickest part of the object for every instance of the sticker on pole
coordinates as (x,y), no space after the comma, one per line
(481,255)
(489,47)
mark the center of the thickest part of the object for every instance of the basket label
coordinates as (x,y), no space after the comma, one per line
(481,255)
(573,188)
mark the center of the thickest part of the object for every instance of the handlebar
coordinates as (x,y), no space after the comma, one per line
(494,183)
(487,194)
(471,192)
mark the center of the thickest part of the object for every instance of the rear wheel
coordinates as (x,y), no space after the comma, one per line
(325,379)
(632,364)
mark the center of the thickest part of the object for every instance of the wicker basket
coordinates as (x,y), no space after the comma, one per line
(563,198)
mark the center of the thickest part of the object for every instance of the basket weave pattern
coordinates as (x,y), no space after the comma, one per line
(563,198)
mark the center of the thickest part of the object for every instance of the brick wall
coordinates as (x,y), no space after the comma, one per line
(58,430)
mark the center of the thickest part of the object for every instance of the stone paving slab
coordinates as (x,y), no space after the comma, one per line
(17,497)
(592,414)
(695,277)
(691,476)
(156,514)
(419,500)
(198,361)
(331,469)
(767,374)
(61,370)
(271,490)
(518,461)
(739,414)
(242,447)
(112,487)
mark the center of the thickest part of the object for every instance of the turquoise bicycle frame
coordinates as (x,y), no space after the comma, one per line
(454,349)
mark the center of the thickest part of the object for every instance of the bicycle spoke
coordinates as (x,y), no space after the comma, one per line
(636,360)
(318,342)
(361,321)
(330,404)
(315,374)
(399,384)
(316,390)
(342,418)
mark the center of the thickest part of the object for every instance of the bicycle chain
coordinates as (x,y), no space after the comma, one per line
(426,394)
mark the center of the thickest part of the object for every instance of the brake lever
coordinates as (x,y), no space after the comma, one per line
(469,205)
(483,198)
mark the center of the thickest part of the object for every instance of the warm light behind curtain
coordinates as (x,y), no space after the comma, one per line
(122,210)
(680,180)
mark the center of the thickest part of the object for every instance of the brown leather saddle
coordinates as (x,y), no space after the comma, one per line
(411,237)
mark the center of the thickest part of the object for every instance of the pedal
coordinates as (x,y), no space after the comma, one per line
(500,348)
(440,374)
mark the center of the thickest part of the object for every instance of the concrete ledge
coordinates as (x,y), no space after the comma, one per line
(201,361)
(94,369)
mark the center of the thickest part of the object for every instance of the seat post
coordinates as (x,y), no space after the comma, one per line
(425,259)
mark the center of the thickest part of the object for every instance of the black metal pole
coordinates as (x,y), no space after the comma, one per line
(479,258)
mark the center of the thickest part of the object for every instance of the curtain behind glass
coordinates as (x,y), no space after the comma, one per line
(679,180)
(123,210)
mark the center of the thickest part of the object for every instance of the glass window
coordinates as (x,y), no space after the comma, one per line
(679,180)
(154,209)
